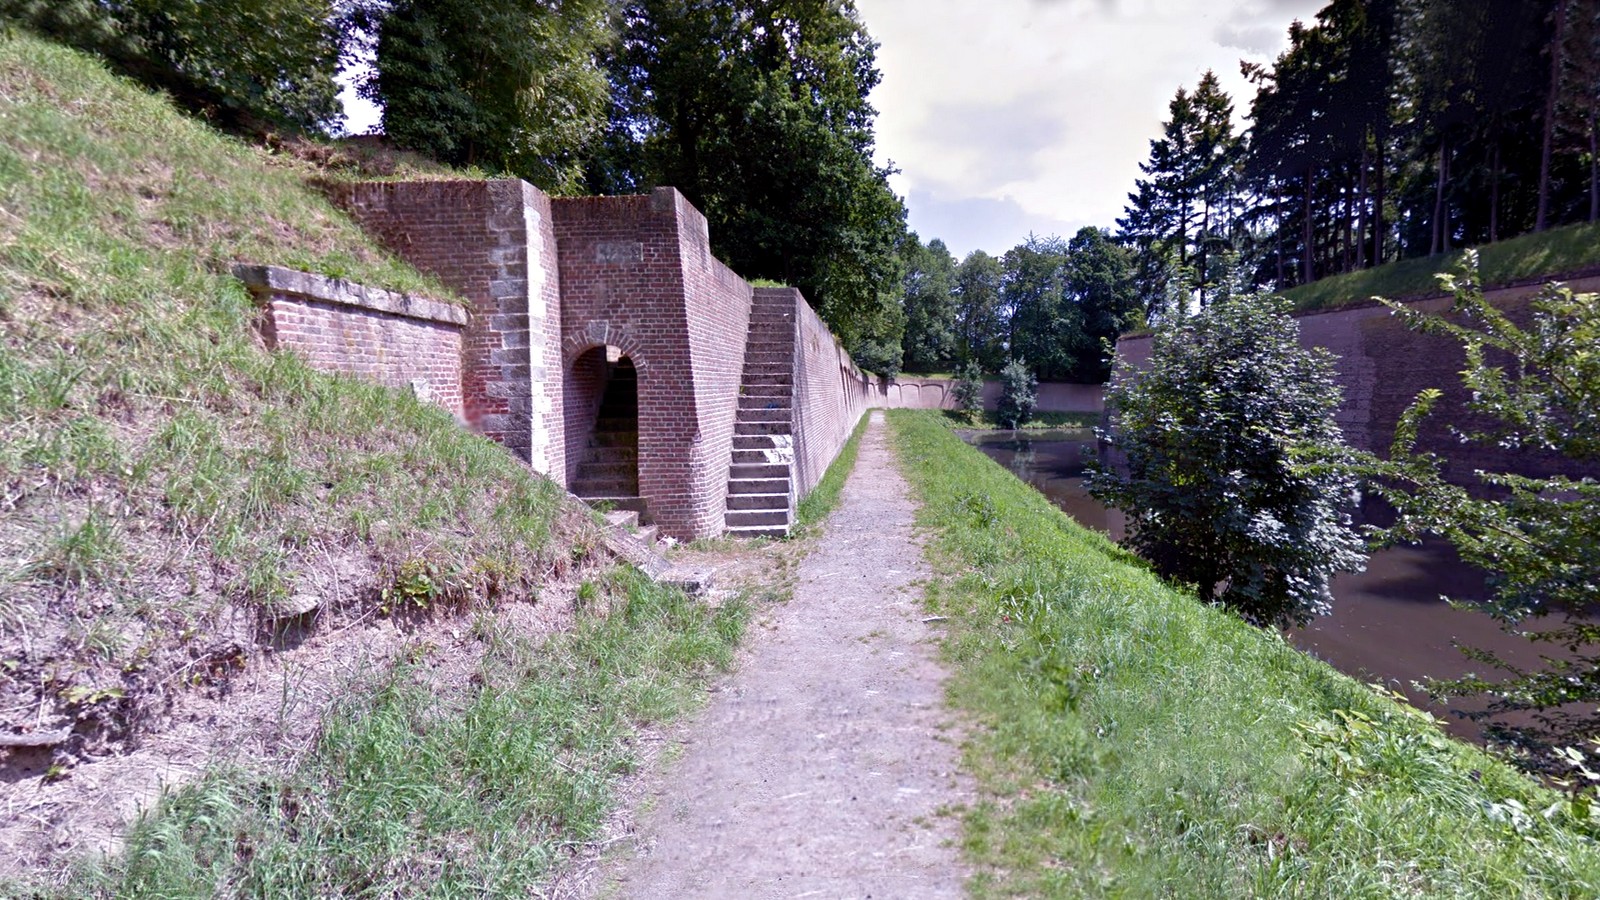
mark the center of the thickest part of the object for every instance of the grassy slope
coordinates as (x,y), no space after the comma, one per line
(1559,251)
(1132,742)
(162,476)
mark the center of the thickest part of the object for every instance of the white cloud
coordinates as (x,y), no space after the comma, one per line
(1011,116)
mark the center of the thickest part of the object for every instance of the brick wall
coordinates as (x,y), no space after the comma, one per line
(493,242)
(830,395)
(1382,366)
(910,392)
(399,340)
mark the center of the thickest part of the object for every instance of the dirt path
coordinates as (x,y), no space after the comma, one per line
(821,767)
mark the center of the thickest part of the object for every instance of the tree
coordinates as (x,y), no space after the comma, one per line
(1537,387)
(978,311)
(930,340)
(249,64)
(758,113)
(1018,395)
(507,85)
(1213,494)
(968,391)
(1046,326)
(1099,280)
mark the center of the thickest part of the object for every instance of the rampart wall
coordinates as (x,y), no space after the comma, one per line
(1383,365)
(830,395)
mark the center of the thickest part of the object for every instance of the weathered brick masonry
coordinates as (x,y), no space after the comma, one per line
(1382,365)
(395,339)
(830,396)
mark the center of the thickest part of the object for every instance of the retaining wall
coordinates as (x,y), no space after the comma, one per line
(400,340)
(911,392)
(830,395)
(1382,365)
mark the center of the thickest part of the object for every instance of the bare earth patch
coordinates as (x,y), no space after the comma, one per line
(827,766)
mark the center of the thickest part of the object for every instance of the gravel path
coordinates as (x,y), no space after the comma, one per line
(820,768)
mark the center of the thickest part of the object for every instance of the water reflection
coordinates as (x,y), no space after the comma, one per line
(1389,623)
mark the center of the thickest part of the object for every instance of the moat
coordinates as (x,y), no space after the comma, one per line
(1389,623)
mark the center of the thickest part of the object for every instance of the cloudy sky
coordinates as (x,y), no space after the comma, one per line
(1007,117)
(1011,116)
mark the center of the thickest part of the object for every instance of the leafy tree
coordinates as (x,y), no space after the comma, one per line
(1099,280)
(247,63)
(930,340)
(508,85)
(1537,387)
(1046,326)
(1210,433)
(758,113)
(1018,394)
(968,391)
(978,311)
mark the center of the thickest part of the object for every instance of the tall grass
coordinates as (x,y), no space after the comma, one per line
(1133,742)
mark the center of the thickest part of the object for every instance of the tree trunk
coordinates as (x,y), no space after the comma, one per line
(1436,245)
(1556,43)
(1277,196)
(1306,235)
(1594,167)
(1377,211)
(1362,210)
(1494,195)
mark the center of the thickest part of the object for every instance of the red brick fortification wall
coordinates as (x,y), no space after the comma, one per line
(637,274)
(399,340)
(939,393)
(830,394)
(1382,366)
(493,241)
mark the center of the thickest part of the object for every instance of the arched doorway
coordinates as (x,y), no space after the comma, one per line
(606,385)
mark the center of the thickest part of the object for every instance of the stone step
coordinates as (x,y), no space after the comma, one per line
(768,358)
(619,439)
(764,401)
(623,518)
(763,427)
(767,517)
(619,411)
(607,471)
(620,453)
(744,471)
(781,414)
(761,457)
(755,531)
(766,373)
(757,344)
(762,442)
(602,488)
(758,501)
(758,485)
(606,424)
(619,501)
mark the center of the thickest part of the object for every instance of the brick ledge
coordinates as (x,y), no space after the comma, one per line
(278,280)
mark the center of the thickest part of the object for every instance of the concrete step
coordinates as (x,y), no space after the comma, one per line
(768,358)
(619,439)
(590,488)
(607,471)
(762,457)
(616,454)
(758,485)
(762,344)
(762,427)
(767,517)
(781,414)
(607,424)
(755,531)
(766,373)
(625,502)
(758,501)
(757,470)
(623,518)
(764,401)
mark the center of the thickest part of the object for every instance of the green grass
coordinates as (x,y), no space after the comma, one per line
(1041,421)
(417,791)
(1131,742)
(1557,251)
(824,498)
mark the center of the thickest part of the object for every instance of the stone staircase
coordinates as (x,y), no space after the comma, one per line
(760,483)
(608,475)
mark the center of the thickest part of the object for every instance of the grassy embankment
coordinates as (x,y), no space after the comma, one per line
(1558,251)
(162,478)
(824,498)
(1129,741)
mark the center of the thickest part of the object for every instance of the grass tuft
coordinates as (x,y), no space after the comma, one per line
(824,498)
(1133,742)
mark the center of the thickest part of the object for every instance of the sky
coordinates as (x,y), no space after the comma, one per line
(1011,117)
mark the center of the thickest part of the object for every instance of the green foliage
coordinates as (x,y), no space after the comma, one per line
(758,113)
(968,391)
(930,338)
(1210,433)
(1100,282)
(824,498)
(1046,326)
(243,61)
(979,311)
(1018,390)
(1128,741)
(506,85)
(1537,389)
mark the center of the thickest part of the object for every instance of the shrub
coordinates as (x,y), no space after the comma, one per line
(968,391)
(1018,394)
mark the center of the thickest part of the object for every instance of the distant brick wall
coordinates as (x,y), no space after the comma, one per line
(910,392)
(493,242)
(830,394)
(399,340)
(1382,365)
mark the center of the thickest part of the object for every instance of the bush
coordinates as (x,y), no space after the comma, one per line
(1018,394)
(1213,493)
(968,391)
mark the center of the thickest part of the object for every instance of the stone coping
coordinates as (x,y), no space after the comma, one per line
(278,280)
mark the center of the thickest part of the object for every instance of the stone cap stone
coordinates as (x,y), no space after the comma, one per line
(278,280)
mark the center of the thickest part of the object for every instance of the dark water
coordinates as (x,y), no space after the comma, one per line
(1388,624)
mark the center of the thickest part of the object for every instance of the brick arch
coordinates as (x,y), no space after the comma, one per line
(603,334)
